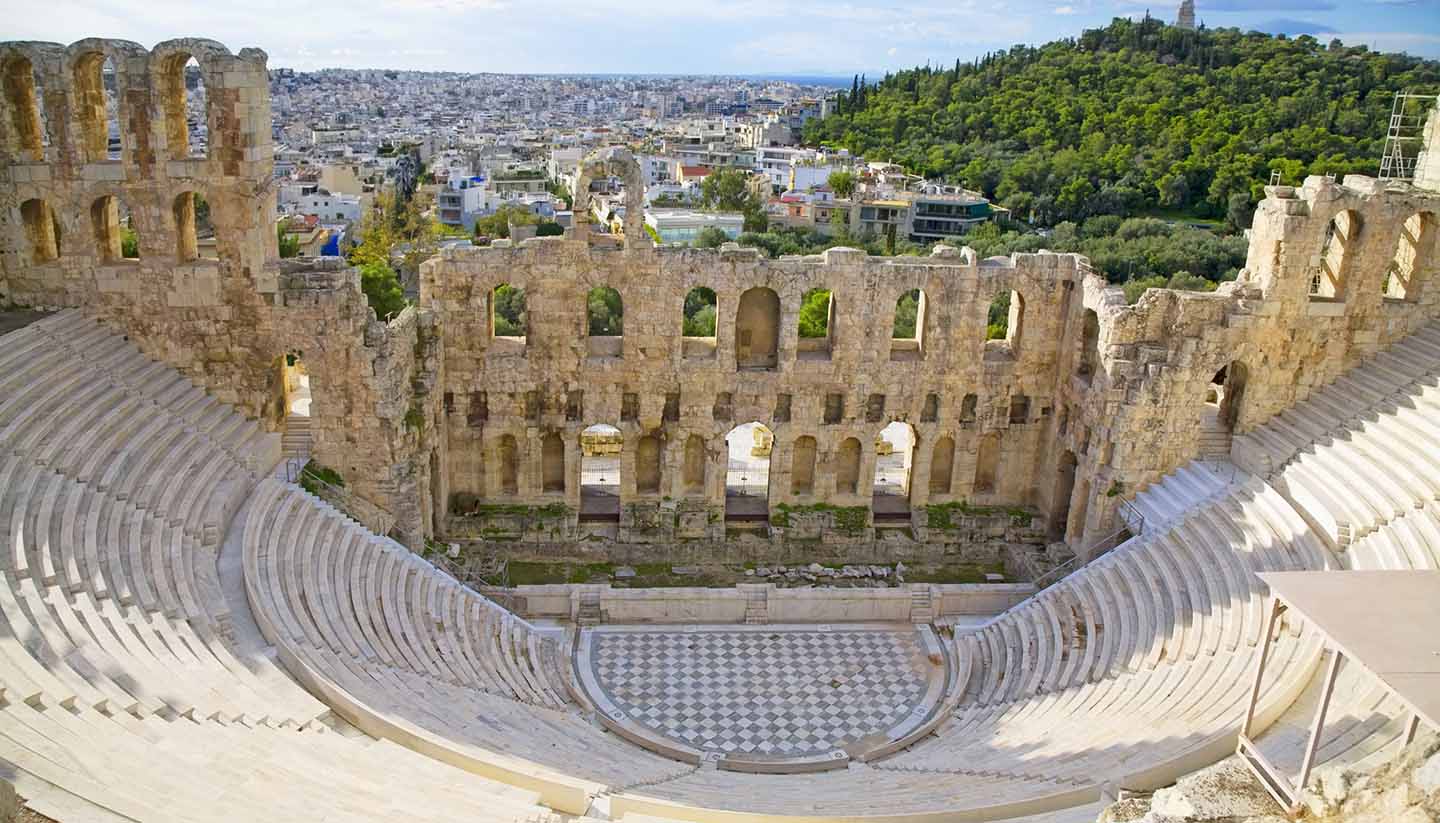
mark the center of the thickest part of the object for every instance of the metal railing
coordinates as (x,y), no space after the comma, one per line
(1134,526)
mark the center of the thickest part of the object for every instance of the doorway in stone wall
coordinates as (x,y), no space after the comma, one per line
(600,447)
(1223,397)
(296,441)
(747,472)
(894,459)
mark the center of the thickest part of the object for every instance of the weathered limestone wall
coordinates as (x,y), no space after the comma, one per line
(226,317)
(1086,402)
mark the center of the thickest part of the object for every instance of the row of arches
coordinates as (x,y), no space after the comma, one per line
(113,228)
(748,451)
(95,86)
(1329,275)
(757,322)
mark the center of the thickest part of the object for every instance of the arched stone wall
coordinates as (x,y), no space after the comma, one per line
(602,164)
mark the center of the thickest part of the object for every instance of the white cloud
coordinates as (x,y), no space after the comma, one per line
(891,52)
(1065,10)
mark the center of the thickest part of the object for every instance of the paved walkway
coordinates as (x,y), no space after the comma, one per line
(766,691)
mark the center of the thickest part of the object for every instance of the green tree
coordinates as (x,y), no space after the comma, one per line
(998,317)
(842,183)
(289,244)
(700,313)
(605,314)
(129,243)
(510,317)
(497,224)
(549,228)
(382,289)
(815,314)
(711,238)
(906,309)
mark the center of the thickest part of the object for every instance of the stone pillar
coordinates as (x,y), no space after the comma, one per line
(1427,167)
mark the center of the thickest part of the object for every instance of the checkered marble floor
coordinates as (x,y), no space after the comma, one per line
(777,693)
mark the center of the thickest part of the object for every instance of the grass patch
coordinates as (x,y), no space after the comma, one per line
(963,573)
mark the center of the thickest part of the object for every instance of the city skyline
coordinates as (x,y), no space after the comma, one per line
(787,37)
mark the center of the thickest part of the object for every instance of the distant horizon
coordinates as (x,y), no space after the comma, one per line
(742,38)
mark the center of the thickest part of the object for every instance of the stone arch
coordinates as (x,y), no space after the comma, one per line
(42,229)
(507,459)
(183,215)
(1089,346)
(552,463)
(987,463)
(816,327)
(172,63)
(942,465)
(1005,322)
(113,226)
(647,464)
(847,467)
(1233,379)
(895,447)
(693,474)
(1328,278)
(1061,495)
(907,328)
(748,448)
(99,109)
(1414,247)
(23,107)
(600,448)
(613,161)
(802,465)
(757,329)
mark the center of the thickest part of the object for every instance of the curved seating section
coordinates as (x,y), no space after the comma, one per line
(405,652)
(1365,449)
(120,697)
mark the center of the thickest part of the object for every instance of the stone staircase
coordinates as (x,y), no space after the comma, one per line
(587,611)
(922,608)
(1215,444)
(757,604)
(295,442)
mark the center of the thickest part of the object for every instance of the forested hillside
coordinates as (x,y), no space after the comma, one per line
(1134,118)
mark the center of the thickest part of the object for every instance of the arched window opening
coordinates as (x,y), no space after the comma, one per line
(987,463)
(817,325)
(747,472)
(508,318)
(43,230)
(802,465)
(757,330)
(98,107)
(552,463)
(1005,322)
(605,321)
(894,460)
(694,471)
(184,100)
(697,325)
(1060,496)
(907,330)
(1417,237)
(1089,347)
(1227,388)
(508,460)
(187,212)
(27,113)
(115,236)
(847,467)
(647,465)
(600,447)
(1327,277)
(942,466)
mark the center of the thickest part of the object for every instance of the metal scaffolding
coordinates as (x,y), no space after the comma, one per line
(1403,137)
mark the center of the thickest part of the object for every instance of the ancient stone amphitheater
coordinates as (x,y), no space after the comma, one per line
(188,636)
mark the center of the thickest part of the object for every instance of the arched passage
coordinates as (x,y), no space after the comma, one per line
(757,329)
(113,226)
(42,229)
(22,103)
(1327,280)
(604,322)
(802,466)
(1005,322)
(185,106)
(894,460)
(747,472)
(600,447)
(816,333)
(1060,497)
(186,213)
(697,323)
(907,327)
(98,107)
(1414,247)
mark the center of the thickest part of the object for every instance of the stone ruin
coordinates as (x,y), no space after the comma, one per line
(1084,402)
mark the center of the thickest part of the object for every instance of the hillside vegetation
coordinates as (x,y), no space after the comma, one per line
(1132,119)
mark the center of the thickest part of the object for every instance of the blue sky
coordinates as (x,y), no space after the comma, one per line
(722,36)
